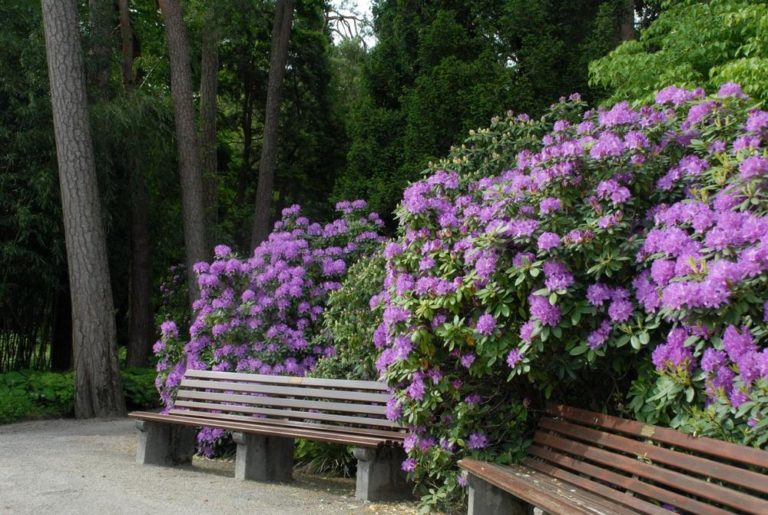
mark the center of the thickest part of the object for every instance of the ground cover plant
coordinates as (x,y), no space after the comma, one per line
(260,314)
(616,261)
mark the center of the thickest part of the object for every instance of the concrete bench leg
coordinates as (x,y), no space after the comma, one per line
(485,498)
(164,444)
(379,474)
(263,458)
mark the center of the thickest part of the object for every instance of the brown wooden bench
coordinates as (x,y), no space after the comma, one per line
(586,462)
(265,413)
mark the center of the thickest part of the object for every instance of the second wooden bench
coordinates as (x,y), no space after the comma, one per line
(265,413)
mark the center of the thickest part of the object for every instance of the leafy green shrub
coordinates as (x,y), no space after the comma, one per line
(325,458)
(628,244)
(15,405)
(139,388)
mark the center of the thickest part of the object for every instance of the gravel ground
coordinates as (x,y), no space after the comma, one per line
(84,467)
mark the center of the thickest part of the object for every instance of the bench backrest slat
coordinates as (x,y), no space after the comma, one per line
(321,393)
(657,454)
(710,446)
(346,405)
(288,380)
(279,402)
(629,483)
(668,477)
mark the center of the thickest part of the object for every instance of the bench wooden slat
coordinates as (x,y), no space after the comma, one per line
(718,448)
(625,498)
(691,485)
(395,435)
(265,430)
(286,413)
(627,482)
(321,393)
(226,398)
(703,466)
(289,380)
(541,490)
(380,434)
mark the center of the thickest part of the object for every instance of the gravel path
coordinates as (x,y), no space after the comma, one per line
(83,467)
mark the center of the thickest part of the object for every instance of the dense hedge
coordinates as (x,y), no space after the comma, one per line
(626,245)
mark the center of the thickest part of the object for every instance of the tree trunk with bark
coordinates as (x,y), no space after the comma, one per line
(193,206)
(98,391)
(126,45)
(281,34)
(209,75)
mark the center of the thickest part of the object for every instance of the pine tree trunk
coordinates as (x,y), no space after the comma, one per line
(126,45)
(627,27)
(193,207)
(281,34)
(209,75)
(98,391)
(101,14)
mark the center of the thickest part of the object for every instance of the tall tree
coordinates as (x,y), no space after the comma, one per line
(209,80)
(98,390)
(192,191)
(281,34)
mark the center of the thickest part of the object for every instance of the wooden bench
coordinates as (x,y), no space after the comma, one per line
(265,413)
(586,462)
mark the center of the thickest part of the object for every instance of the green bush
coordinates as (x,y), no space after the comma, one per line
(325,458)
(29,394)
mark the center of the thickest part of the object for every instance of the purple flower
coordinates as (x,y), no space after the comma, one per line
(712,360)
(620,310)
(549,205)
(753,166)
(409,465)
(757,121)
(736,343)
(485,324)
(598,293)
(731,89)
(467,360)
(477,441)
(542,310)
(548,241)
(600,335)
(526,331)
(514,357)
(673,355)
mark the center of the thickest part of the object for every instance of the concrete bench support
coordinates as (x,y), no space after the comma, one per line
(379,474)
(485,498)
(263,458)
(164,444)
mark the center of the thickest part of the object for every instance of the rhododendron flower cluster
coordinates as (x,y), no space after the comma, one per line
(260,314)
(622,231)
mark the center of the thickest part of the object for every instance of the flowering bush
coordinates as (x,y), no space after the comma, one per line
(260,314)
(622,236)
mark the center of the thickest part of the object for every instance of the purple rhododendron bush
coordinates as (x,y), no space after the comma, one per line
(261,314)
(617,262)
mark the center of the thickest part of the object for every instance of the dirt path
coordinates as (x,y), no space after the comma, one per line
(83,467)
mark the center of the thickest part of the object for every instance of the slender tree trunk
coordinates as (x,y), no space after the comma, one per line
(244,175)
(193,207)
(281,34)
(98,391)
(627,26)
(126,45)
(101,14)
(209,78)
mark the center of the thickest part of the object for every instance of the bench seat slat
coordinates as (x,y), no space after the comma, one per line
(718,448)
(626,482)
(624,498)
(541,490)
(286,413)
(381,434)
(226,398)
(321,393)
(703,466)
(688,484)
(289,380)
(265,430)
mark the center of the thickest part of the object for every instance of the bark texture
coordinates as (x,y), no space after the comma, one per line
(209,81)
(98,391)
(193,207)
(627,27)
(281,35)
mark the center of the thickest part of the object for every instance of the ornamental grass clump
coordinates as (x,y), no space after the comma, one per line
(261,314)
(626,245)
